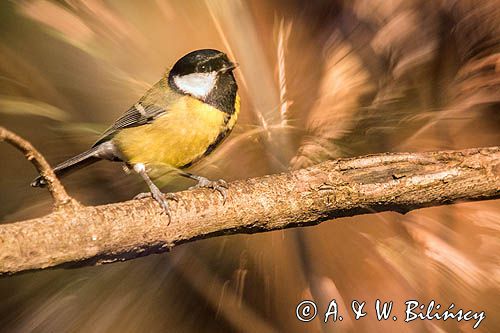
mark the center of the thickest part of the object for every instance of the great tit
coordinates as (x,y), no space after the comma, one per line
(181,119)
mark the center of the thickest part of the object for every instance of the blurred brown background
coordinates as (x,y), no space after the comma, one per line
(318,80)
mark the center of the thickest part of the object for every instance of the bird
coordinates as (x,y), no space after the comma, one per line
(180,120)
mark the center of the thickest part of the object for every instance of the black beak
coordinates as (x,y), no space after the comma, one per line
(226,69)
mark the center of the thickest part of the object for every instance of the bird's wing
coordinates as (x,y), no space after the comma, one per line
(137,115)
(151,106)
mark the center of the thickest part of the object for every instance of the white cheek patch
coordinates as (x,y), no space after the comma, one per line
(196,84)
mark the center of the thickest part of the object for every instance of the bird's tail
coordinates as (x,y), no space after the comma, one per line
(74,163)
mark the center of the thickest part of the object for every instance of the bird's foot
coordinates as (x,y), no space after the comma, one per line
(161,198)
(217,185)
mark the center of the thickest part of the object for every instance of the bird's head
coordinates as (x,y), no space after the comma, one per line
(203,74)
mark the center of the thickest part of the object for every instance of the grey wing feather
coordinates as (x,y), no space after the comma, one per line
(137,115)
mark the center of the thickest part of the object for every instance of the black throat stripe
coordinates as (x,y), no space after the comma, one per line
(223,95)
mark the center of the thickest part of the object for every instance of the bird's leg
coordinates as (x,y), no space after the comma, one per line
(218,185)
(155,192)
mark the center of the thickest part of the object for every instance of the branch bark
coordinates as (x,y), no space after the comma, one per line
(346,187)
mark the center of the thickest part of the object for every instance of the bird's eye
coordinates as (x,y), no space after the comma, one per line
(203,67)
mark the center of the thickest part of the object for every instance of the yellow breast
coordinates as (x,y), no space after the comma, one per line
(179,137)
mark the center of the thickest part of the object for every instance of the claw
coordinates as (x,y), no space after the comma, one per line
(143,195)
(161,198)
(155,192)
(218,185)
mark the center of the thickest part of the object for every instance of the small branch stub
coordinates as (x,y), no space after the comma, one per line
(57,191)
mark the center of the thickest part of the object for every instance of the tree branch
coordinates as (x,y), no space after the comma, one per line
(57,191)
(346,187)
